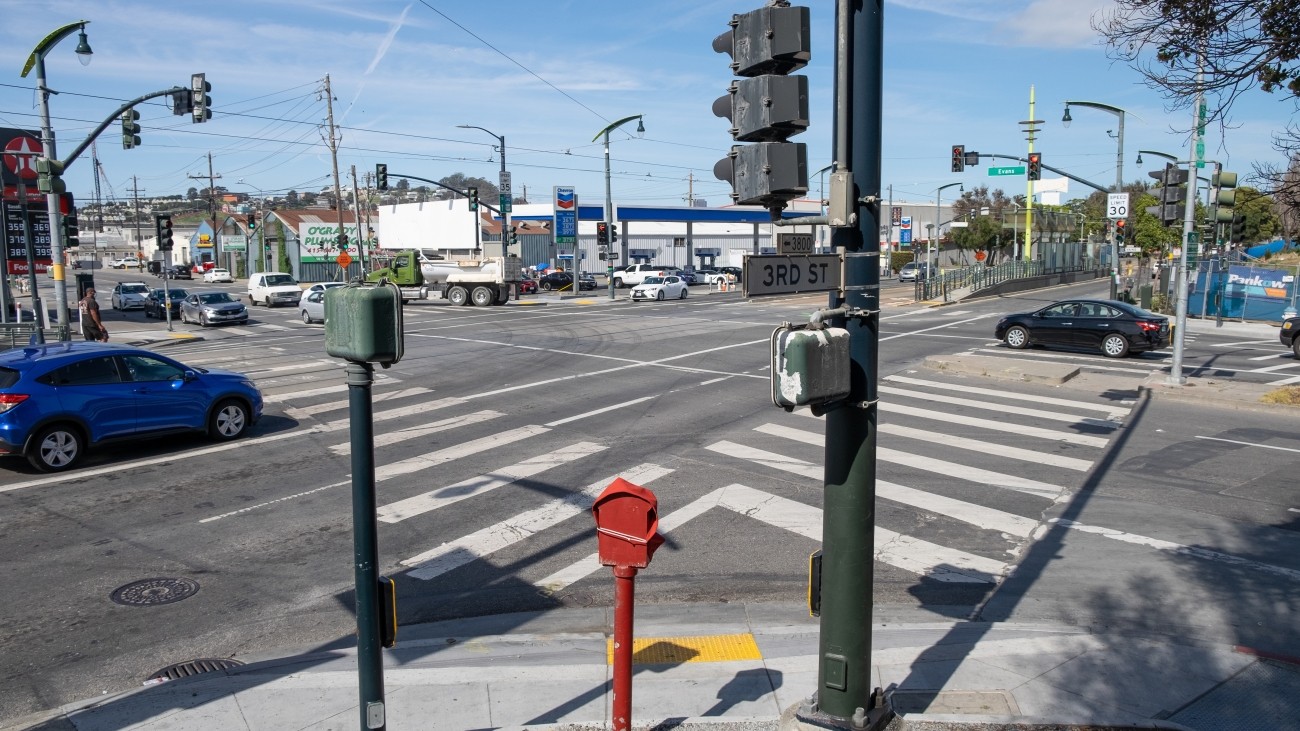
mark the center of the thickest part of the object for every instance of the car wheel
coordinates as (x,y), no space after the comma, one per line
(683,293)
(1295,347)
(1016,337)
(546,286)
(1114,345)
(458,296)
(228,421)
(482,296)
(56,448)
(203,319)
(305,317)
(659,295)
(618,283)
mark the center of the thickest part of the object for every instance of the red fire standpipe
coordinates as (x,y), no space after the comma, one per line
(624,591)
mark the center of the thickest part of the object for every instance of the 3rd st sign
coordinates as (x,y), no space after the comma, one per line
(791,274)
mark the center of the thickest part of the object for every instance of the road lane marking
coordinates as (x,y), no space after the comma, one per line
(937,327)
(269,503)
(1271,356)
(444,496)
(423,430)
(1003,408)
(486,541)
(1069,403)
(612,407)
(989,424)
(455,452)
(1249,444)
(379,397)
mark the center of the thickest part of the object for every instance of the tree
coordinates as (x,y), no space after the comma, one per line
(191,194)
(291,198)
(403,185)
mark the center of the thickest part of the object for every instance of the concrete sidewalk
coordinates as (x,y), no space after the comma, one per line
(724,666)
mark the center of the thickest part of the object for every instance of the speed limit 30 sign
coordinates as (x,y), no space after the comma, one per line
(1116,206)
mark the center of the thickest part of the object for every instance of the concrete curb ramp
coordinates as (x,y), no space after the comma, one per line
(1008,369)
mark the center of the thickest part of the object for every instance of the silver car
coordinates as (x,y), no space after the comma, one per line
(130,295)
(312,306)
(213,308)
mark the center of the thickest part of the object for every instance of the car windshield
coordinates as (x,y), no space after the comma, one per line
(276,280)
(176,294)
(134,289)
(653,280)
(214,298)
(219,271)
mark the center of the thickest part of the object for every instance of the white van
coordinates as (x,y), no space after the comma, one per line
(273,288)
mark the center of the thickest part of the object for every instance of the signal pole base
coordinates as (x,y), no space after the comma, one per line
(807,717)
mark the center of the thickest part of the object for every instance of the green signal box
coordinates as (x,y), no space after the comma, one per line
(363,324)
(809,367)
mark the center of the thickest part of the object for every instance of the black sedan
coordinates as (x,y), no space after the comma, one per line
(563,282)
(1290,334)
(1115,328)
(155,305)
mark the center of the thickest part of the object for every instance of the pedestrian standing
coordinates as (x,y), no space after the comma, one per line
(91,326)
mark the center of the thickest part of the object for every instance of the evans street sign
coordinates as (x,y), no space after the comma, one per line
(1017,170)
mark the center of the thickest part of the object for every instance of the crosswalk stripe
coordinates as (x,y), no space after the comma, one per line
(442,497)
(240,330)
(423,430)
(279,370)
(1038,399)
(485,541)
(906,552)
(1270,356)
(989,424)
(308,393)
(1083,361)
(976,515)
(380,397)
(1270,369)
(1002,408)
(271,326)
(454,452)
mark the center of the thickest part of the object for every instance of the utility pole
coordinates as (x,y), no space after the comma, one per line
(333,143)
(212,209)
(1197,154)
(356,205)
(135,197)
(690,189)
(1031,132)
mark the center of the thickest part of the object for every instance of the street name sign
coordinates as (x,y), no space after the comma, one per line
(794,243)
(1116,206)
(791,274)
(1015,170)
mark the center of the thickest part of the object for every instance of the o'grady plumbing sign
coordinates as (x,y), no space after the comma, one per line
(319,242)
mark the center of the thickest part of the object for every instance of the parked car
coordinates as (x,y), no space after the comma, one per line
(155,305)
(312,306)
(914,271)
(124,262)
(560,281)
(659,288)
(1290,334)
(60,399)
(689,277)
(213,308)
(217,274)
(177,271)
(527,286)
(129,295)
(1116,328)
(735,272)
(586,282)
(709,276)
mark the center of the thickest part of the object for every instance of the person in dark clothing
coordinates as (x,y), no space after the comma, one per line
(91,326)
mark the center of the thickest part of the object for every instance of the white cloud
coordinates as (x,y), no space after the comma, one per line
(1054,24)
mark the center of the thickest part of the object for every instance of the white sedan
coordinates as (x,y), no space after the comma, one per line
(217,275)
(659,288)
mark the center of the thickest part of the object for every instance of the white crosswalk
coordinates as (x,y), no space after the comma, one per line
(973,468)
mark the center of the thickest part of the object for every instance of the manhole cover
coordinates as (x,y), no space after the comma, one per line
(193,667)
(149,592)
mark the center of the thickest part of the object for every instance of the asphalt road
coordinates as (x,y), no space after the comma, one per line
(500,423)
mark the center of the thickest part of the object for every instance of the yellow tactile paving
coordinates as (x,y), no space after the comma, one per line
(675,650)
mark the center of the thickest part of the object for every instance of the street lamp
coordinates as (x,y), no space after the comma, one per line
(934,239)
(37,60)
(504,200)
(609,199)
(1119,177)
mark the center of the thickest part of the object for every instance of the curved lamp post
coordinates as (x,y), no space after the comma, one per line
(934,240)
(1119,177)
(609,199)
(37,60)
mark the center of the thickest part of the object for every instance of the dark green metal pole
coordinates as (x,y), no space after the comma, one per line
(844,690)
(365,542)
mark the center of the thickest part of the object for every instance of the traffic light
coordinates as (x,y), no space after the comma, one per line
(49,176)
(1170,195)
(1035,170)
(613,233)
(1238,228)
(162,228)
(1225,196)
(958,158)
(71,227)
(182,102)
(200,98)
(381,176)
(130,129)
(472,194)
(1120,230)
(252,223)
(602,233)
(767,106)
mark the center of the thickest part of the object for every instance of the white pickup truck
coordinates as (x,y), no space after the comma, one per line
(636,273)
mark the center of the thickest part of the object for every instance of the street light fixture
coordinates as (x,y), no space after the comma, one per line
(609,198)
(934,239)
(37,60)
(1119,177)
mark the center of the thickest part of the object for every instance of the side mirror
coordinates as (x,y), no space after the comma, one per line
(190,375)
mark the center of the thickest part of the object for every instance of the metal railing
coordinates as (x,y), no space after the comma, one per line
(20,334)
(978,277)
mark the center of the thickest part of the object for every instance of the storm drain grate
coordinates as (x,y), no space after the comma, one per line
(194,667)
(151,592)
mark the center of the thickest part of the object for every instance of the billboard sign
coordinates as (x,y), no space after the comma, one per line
(566,215)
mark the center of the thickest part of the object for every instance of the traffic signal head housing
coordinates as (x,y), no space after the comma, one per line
(1120,229)
(1238,228)
(1225,196)
(381,176)
(162,223)
(602,233)
(201,100)
(49,176)
(472,194)
(1035,167)
(766,106)
(958,158)
(130,129)
(1170,194)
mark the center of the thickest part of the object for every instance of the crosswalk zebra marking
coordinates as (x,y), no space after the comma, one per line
(455,452)
(423,430)
(302,412)
(485,541)
(989,424)
(444,496)
(1002,408)
(1110,411)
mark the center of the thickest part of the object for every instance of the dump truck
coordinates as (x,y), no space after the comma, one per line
(483,282)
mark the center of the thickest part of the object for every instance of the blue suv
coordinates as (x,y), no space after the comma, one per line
(58,399)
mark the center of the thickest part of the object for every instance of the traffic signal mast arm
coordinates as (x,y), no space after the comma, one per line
(115,117)
(1044,166)
(457,191)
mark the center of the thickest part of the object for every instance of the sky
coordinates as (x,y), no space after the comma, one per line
(549,76)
